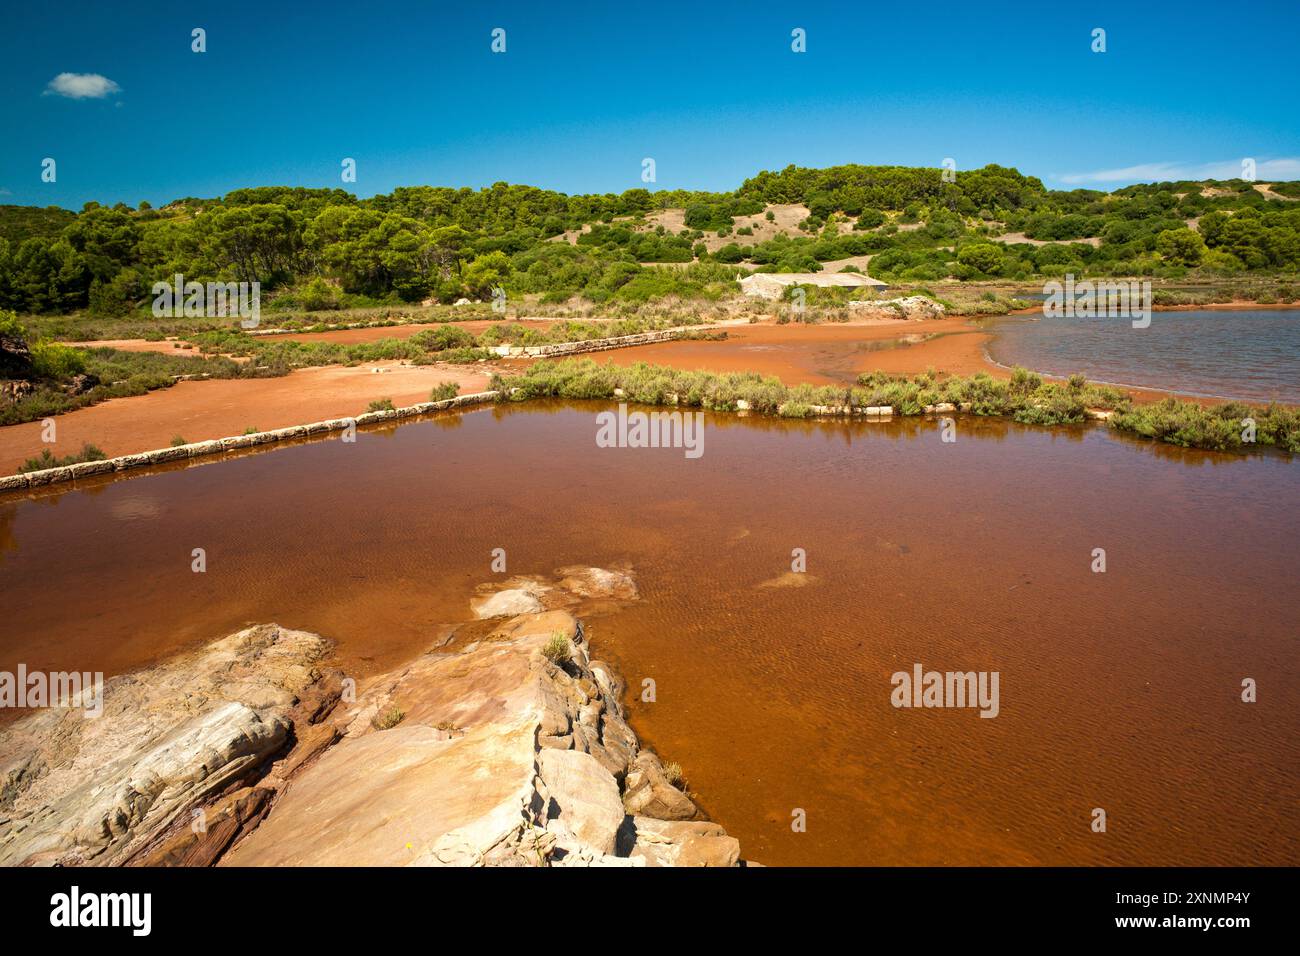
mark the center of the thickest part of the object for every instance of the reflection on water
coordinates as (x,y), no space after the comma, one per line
(1118,690)
(902,342)
(1249,354)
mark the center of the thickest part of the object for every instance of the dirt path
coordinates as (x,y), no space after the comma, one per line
(199,411)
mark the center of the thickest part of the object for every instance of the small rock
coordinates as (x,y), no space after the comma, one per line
(506,604)
(584,799)
(648,793)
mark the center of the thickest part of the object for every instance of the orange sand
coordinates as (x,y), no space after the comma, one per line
(217,408)
(825,354)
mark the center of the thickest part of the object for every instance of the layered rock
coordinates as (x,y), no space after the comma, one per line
(170,742)
(574,586)
(510,747)
(499,755)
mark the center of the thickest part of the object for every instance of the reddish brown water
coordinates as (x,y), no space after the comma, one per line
(1117,690)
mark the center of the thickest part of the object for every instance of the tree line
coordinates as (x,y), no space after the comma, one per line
(325,248)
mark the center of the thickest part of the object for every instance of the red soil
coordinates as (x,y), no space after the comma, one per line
(217,408)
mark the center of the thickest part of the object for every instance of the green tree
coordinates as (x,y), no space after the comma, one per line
(1181,247)
(485,272)
(982,257)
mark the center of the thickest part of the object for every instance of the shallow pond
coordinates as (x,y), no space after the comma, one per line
(1118,690)
(1250,354)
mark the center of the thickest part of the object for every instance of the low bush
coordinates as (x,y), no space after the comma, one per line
(47,460)
(444,391)
(57,362)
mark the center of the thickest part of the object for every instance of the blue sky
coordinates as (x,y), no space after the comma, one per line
(585,91)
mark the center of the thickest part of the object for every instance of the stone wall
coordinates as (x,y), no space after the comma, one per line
(217,446)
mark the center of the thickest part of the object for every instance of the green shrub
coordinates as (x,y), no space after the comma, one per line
(10,327)
(558,650)
(318,295)
(57,362)
(443,338)
(47,460)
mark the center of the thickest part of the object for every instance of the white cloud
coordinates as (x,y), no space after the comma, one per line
(81,86)
(1265,170)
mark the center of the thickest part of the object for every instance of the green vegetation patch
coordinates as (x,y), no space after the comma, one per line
(1025,398)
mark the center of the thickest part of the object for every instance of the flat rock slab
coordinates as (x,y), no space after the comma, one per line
(445,786)
(584,799)
(410,795)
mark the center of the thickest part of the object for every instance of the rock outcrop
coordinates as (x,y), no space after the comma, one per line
(501,756)
(508,746)
(596,588)
(15,357)
(172,745)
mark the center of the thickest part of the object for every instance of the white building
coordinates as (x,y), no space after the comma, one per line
(771,285)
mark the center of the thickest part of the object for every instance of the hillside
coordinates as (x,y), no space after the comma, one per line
(23,222)
(324,248)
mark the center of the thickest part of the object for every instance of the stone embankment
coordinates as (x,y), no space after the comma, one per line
(505,745)
(217,446)
(88,469)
